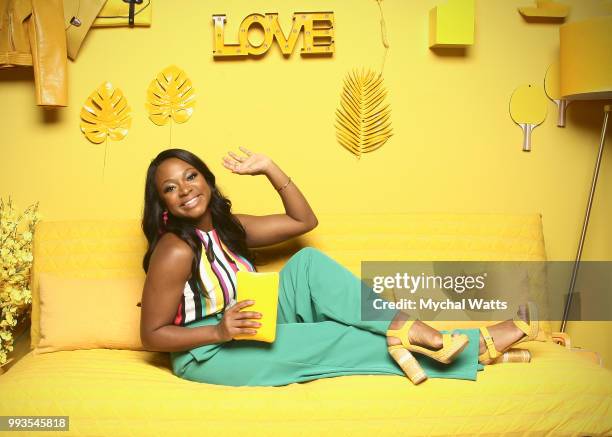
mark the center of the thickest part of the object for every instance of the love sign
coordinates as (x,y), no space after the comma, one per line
(317,29)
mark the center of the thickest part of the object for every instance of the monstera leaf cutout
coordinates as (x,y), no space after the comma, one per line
(362,122)
(170,96)
(105,114)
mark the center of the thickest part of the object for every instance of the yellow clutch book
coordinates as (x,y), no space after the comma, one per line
(263,289)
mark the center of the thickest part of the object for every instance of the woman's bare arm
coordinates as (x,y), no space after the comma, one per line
(299,217)
(169,270)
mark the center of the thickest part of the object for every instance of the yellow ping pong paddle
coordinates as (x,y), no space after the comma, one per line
(552,88)
(528,107)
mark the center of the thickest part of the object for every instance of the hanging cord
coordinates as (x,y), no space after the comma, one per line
(170,145)
(383,35)
(104,166)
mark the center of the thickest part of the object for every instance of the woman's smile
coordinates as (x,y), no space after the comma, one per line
(193,202)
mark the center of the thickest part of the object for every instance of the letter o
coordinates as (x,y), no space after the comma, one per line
(243,35)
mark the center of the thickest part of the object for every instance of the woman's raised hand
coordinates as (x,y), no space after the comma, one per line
(250,163)
(235,322)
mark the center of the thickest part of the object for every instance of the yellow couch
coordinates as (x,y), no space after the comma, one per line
(125,392)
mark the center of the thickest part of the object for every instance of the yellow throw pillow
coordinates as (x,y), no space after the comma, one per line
(263,289)
(89,313)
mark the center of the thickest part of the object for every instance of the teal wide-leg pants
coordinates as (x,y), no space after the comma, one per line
(320,334)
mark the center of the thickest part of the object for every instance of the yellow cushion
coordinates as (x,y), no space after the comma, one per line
(114,249)
(130,393)
(84,249)
(89,313)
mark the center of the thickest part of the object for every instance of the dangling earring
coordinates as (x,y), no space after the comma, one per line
(165,218)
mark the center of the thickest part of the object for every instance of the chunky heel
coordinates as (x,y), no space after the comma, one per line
(452,345)
(408,364)
(514,356)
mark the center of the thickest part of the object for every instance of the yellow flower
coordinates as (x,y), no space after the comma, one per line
(16,295)
(16,235)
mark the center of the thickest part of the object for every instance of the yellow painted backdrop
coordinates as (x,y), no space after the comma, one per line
(455,148)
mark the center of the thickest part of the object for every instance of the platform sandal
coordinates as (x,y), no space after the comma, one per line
(408,363)
(452,345)
(530,330)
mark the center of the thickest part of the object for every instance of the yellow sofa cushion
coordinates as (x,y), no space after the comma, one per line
(130,393)
(84,249)
(114,249)
(89,313)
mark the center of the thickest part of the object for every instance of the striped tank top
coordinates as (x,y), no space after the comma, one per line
(218,277)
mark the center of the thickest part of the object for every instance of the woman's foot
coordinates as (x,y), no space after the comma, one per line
(503,335)
(506,333)
(416,336)
(420,333)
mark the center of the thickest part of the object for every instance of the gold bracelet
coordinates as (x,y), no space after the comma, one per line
(284,186)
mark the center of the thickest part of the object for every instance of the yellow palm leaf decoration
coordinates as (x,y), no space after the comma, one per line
(170,96)
(362,122)
(105,114)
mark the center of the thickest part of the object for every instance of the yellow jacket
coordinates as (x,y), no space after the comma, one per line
(32,33)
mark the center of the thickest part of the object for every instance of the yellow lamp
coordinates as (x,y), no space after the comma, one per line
(586,59)
(586,74)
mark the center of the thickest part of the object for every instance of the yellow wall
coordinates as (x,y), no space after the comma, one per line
(454,149)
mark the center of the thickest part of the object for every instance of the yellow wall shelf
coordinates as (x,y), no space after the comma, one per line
(452,24)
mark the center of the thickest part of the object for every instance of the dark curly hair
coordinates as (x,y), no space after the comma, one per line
(225,223)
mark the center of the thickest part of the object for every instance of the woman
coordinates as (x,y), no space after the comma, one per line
(190,307)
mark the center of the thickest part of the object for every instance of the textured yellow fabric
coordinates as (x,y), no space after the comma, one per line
(84,249)
(109,249)
(130,393)
(89,313)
